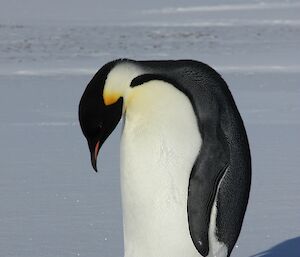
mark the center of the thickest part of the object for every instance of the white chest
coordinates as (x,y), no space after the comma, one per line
(160,143)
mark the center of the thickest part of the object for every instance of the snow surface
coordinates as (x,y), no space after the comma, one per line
(52,203)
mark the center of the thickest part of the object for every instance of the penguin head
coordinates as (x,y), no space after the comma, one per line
(101,105)
(97,117)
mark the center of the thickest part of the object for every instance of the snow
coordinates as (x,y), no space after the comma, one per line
(52,203)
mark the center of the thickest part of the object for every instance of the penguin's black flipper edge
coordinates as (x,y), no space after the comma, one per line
(206,174)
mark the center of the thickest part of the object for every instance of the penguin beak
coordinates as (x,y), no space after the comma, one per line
(94,155)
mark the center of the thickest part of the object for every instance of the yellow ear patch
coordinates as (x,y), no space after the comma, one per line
(110,97)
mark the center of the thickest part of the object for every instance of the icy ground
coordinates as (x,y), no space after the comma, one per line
(54,205)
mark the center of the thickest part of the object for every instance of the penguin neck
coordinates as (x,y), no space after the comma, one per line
(160,143)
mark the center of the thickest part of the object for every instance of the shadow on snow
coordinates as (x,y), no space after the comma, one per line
(288,248)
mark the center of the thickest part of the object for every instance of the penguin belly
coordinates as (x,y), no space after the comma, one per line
(160,142)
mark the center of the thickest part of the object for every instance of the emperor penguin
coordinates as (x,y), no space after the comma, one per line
(185,158)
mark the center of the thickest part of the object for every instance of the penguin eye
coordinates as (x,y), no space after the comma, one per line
(96,130)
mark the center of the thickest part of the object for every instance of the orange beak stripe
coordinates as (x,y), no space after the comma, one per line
(97,149)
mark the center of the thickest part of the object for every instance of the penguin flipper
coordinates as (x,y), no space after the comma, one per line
(206,174)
